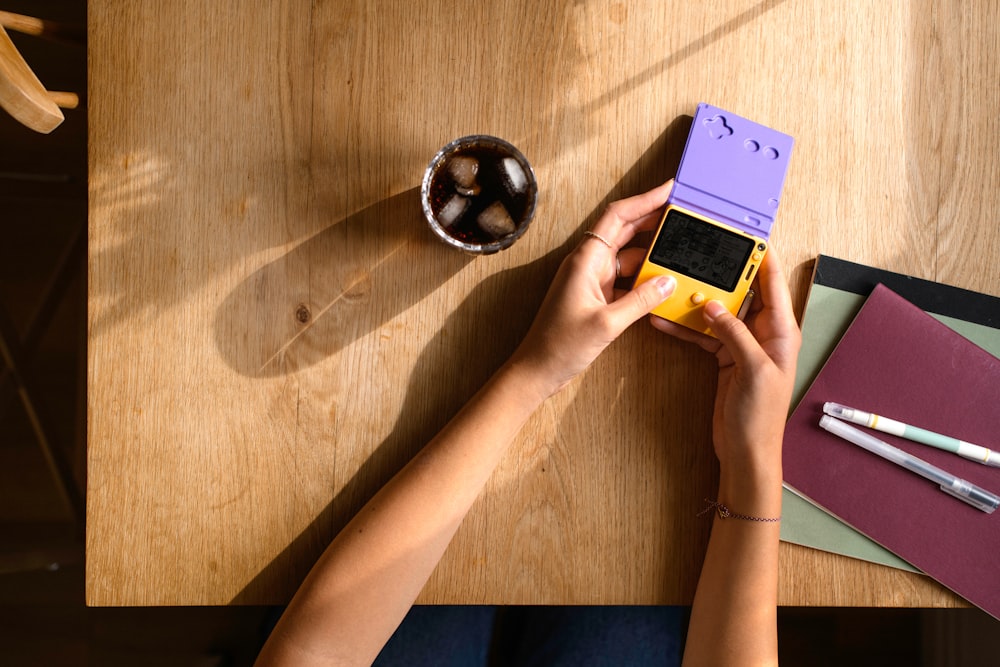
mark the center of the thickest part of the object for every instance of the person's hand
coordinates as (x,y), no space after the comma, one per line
(756,373)
(733,618)
(583,312)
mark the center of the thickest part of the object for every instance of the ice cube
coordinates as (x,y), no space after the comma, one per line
(514,178)
(496,221)
(452,210)
(463,170)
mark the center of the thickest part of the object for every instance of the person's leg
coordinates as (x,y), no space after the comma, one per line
(593,636)
(449,636)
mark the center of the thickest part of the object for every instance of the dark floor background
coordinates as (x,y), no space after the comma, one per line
(43,619)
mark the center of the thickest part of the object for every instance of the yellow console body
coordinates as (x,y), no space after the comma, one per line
(709,260)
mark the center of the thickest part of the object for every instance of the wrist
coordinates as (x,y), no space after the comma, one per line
(531,382)
(755,464)
(753,492)
(534,373)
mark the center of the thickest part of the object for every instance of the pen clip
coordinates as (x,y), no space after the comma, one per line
(978,504)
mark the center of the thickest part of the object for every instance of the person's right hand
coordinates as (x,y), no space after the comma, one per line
(757,362)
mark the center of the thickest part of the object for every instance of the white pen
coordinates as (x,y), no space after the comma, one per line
(966,491)
(964,449)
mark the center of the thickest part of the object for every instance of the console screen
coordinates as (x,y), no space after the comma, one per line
(701,251)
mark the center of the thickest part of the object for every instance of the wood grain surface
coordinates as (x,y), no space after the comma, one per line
(273,331)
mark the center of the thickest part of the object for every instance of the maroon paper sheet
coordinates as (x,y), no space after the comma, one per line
(899,362)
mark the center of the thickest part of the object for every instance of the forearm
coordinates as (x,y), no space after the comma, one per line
(733,620)
(371,573)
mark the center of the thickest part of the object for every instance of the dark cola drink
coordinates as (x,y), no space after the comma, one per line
(481,193)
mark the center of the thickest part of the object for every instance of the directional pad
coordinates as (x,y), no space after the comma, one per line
(717,127)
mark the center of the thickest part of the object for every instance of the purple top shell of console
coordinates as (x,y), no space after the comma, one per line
(732,170)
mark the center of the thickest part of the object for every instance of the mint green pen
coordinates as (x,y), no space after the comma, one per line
(964,449)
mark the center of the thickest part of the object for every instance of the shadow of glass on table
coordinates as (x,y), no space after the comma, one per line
(333,288)
(472,343)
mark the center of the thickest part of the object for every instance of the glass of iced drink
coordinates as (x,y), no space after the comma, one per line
(479,194)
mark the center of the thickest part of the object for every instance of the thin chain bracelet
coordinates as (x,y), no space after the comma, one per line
(725,513)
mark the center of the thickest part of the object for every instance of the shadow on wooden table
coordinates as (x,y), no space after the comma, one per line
(335,287)
(472,343)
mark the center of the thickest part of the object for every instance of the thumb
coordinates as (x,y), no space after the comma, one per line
(641,300)
(733,333)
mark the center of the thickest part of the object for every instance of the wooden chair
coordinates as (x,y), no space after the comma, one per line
(22,95)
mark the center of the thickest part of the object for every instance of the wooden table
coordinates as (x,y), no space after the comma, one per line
(274,331)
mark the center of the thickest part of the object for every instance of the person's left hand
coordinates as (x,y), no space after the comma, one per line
(583,312)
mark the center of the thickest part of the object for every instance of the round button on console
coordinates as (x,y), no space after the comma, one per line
(697,298)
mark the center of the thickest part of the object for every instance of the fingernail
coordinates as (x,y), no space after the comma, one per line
(713,309)
(666,285)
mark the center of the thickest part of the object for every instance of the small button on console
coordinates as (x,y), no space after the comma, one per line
(697,298)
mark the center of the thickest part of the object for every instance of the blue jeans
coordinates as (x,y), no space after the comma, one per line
(482,636)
